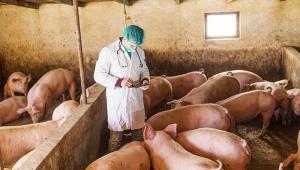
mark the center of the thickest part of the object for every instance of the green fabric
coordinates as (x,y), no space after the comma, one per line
(134,34)
(128,50)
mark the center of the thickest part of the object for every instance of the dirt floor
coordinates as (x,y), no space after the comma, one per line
(274,147)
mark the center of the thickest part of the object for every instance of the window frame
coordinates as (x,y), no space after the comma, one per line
(237,13)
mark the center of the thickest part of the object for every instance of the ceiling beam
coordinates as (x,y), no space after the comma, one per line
(21,3)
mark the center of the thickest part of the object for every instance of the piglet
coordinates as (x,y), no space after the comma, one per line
(17,83)
(131,156)
(167,154)
(9,107)
(51,86)
(209,143)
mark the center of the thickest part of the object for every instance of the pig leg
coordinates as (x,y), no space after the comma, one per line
(266,121)
(72,91)
(288,160)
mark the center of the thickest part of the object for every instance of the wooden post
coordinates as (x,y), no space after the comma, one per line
(80,54)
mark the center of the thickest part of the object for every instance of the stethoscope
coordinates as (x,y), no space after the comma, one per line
(120,49)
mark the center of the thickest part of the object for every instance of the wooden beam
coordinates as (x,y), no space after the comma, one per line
(79,50)
(21,3)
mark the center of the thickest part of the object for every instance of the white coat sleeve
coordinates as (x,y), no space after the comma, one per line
(145,71)
(102,70)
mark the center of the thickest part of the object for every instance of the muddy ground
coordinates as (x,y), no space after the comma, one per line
(274,147)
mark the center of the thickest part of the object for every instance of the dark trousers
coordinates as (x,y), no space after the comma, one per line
(115,139)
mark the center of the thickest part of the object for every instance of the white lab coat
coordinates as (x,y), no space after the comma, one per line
(125,106)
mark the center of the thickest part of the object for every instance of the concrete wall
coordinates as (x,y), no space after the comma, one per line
(34,41)
(291,65)
(77,142)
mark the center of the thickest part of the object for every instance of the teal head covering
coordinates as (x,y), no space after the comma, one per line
(134,34)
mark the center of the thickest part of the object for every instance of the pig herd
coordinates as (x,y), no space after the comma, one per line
(191,122)
(17,141)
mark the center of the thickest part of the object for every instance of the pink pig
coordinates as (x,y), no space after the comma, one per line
(17,82)
(167,154)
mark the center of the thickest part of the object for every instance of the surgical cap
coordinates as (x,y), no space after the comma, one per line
(134,34)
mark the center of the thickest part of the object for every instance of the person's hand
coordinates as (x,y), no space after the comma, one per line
(126,83)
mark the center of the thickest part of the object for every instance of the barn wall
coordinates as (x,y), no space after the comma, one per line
(34,41)
(291,65)
(77,142)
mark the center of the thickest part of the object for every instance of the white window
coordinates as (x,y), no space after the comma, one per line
(222,25)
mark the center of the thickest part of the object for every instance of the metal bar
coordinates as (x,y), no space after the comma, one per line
(80,54)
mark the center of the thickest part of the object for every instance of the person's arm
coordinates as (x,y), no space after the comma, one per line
(145,75)
(102,68)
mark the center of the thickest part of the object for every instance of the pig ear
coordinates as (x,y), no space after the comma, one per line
(21,110)
(283,83)
(171,130)
(149,132)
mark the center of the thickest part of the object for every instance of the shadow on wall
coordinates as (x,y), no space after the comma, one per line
(265,62)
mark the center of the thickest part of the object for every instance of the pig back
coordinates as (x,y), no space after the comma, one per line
(213,90)
(184,83)
(133,157)
(192,117)
(57,81)
(209,143)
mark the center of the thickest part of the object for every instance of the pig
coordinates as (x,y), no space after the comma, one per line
(132,156)
(184,83)
(49,87)
(209,143)
(215,89)
(23,160)
(264,84)
(64,110)
(292,158)
(277,89)
(245,106)
(17,83)
(16,141)
(243,76)
(167,154)
(193,117)
(9,107)
(294,96)
(159,92)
